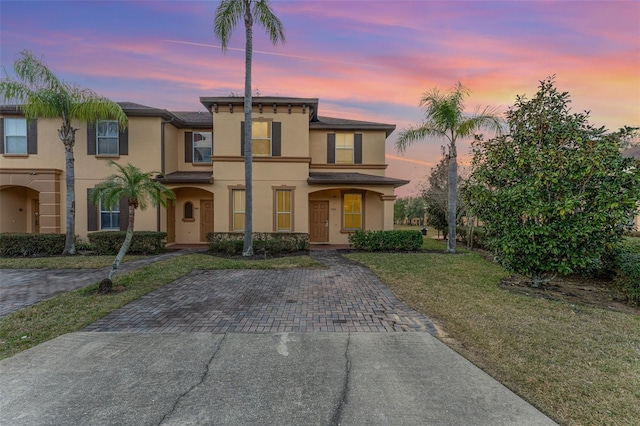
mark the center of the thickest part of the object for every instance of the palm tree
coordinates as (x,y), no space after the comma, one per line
(228,13)
(444,117)
(43,95)
(139,188)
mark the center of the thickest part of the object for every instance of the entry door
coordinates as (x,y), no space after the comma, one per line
(206,218)
(171,222)
(35,225)
(319,221)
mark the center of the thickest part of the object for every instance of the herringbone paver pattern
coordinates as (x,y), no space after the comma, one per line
(345,296)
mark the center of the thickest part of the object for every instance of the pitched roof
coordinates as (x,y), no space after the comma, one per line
(332,123)
(321,178)
(186,177)
(195,118)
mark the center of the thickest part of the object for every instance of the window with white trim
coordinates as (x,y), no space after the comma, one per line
(15,136)
(344,148)
(237,199)
(107,133)
(283,210)
(261,138)
(109,218)
(352,211)
(202,147)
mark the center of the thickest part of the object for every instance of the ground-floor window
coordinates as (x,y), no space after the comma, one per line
(238,209)
(109,218)
(352,211)
(284,208)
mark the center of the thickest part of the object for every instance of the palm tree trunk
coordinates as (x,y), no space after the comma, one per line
(125,245)
(452,183)
(70,239)
(248,144)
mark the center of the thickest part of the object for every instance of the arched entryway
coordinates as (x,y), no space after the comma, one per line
(190,217)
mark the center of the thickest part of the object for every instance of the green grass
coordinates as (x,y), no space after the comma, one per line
(62,262)
(75,310)
(579,365)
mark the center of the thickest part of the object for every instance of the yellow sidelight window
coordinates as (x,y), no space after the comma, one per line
(344,148)
(238,209)
(261,138)
(283,210)
(352,211)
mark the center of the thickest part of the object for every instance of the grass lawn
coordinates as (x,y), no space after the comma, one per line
(62,262)
(579,365)
(75,310)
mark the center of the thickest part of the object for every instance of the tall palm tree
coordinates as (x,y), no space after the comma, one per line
(139,188)
(228,13)
(42,94)
(445,117)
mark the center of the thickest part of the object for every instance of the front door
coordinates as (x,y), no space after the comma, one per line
(35,225)
(319,221)
(206,218)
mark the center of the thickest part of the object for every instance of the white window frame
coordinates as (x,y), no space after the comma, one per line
(342,144)
(208,139)
(268,136)
(345,213)
(13,129)
(112,213)
(100,137)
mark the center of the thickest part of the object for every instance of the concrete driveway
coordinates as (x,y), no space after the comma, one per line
(382,368)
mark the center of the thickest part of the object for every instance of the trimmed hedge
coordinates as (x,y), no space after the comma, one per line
(628,276)
(23,245)
(401,240)
(232,243)
(143,242)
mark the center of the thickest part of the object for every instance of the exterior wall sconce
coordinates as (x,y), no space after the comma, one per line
(275,108)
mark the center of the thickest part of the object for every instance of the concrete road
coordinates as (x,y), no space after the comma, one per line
(353,378)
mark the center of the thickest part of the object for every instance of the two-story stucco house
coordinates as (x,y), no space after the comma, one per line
(319,175)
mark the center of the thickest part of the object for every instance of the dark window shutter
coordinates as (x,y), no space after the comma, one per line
(124,213)
(276,139)
(2,135)
(188,147)
(123,142)
(32,136)
(357,148)
(242,138)
(91,139)
(331,148)
(92,214)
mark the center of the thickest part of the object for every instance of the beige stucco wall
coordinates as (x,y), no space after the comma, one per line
(15,208)
(172,144)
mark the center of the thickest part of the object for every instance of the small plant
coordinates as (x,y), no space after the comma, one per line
(232,243)
(399,240)
(628,276)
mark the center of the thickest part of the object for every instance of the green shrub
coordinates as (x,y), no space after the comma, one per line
(232,243)
(143,242)
(628,277)
(400,240)
(23,245)
(479,236)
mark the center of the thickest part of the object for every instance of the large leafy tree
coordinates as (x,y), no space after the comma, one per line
(555,192)
(228,13)
(445,118)
(41,94)
(139,188)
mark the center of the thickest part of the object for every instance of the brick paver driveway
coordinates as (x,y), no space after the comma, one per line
(344,296)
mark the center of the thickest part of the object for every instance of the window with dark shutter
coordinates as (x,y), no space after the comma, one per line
(92,214)
(188,147)
(242,138)
(331,148)
(123,142)
(32,136)
(276,139)
(357,148)
(91,139)
(1,135)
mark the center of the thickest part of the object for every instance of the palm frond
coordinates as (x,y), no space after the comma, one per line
(264,15)
(14,92)
(92,107)
(228,13)
(35,72)
(416,133)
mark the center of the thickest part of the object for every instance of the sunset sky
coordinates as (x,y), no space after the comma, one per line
(368,60)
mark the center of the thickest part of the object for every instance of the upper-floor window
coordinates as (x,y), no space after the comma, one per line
(109,218)
(344,148)
(261,138)
(107,137)
(15,136)
(202,147)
